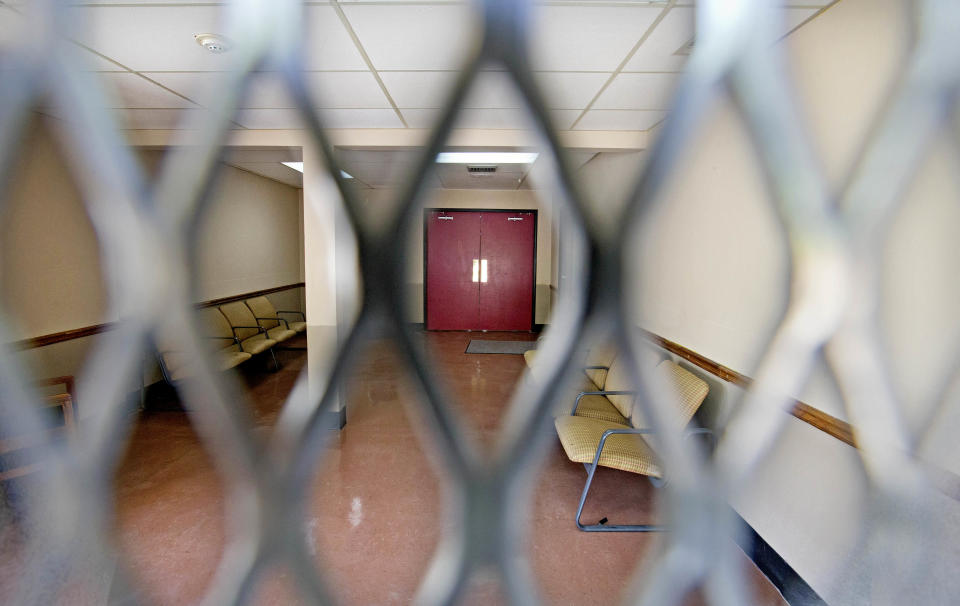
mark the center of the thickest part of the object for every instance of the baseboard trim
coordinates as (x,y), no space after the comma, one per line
(791,585)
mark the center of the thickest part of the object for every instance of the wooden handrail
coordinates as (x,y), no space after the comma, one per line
(826,423)
(86,331)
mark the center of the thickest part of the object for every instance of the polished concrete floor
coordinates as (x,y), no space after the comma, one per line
(378,505)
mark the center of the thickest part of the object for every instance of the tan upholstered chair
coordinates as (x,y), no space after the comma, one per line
(264,310)
(620,445)
(176,365)
(253,337)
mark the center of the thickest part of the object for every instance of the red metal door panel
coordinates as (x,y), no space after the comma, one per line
(453,298)
(507,245)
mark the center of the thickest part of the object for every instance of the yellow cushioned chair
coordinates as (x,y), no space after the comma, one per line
(175,365)
(598,442)
(264,310)
(253,337)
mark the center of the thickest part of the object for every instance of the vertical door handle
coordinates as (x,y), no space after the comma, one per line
(476,270)
(483,270)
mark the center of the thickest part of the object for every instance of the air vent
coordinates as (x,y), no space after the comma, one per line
(481,169)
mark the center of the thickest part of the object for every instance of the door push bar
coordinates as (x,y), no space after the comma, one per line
(480,270)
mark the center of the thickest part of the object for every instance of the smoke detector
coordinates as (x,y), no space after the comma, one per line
(215,43)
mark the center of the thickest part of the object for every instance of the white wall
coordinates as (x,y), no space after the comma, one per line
(715,276)
(51,276)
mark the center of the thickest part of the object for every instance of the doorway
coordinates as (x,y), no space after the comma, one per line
(479,269)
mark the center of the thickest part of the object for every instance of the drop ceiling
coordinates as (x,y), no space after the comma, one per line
(388,64)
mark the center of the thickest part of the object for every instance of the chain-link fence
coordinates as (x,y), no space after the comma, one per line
(147,230)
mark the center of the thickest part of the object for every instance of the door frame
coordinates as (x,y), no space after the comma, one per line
(533,285)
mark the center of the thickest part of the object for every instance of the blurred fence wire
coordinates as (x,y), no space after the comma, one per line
(147,230)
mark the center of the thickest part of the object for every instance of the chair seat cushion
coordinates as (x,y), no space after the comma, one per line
(580,437)
(280,333)
(599,407)
(255,345)
(298,326)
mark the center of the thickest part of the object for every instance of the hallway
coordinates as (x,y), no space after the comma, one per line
(377,511)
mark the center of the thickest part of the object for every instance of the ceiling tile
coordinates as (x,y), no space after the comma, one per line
(638,91)
(491,118)
(331,89)
(570,90)
(430,89)
(658,52)
(594,38)
(160,119)
(328,44)
(333,118)
(430,37)
(132,91)
(152,38)
(161,38)
(620,120)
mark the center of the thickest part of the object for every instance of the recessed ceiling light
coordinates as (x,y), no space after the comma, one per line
(298,166)
(487,157)
(215,43)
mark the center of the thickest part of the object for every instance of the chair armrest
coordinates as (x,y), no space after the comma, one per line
(611,432)
(299,313)
(701,431)
(277,320)
(596,368)
(256,328)
(598,393)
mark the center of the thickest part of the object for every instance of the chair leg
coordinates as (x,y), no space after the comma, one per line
(276,365)
(591,470)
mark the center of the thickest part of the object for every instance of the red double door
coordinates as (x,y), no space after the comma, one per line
(480,268)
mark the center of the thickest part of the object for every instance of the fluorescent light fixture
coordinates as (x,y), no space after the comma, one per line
(298,166)
(486,157)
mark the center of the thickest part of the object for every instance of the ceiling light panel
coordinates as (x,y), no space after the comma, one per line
(620,120)
(331,89)
(638,91)
(582,38)
(658,52)
(487,157)
(413,37)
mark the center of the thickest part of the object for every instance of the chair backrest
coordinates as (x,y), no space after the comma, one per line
(687,389)
(601,355)
(619,379)
(238,314)
(263,308)
(214,324)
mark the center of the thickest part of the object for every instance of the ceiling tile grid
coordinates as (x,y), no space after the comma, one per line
(330,89)
(638,91)
(146,52)
(413,37)
(619,119)
(587,38)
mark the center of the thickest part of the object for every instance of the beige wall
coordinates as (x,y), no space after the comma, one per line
(51,278)
(715,275)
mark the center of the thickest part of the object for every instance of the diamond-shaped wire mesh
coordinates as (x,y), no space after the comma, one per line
(148,230)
